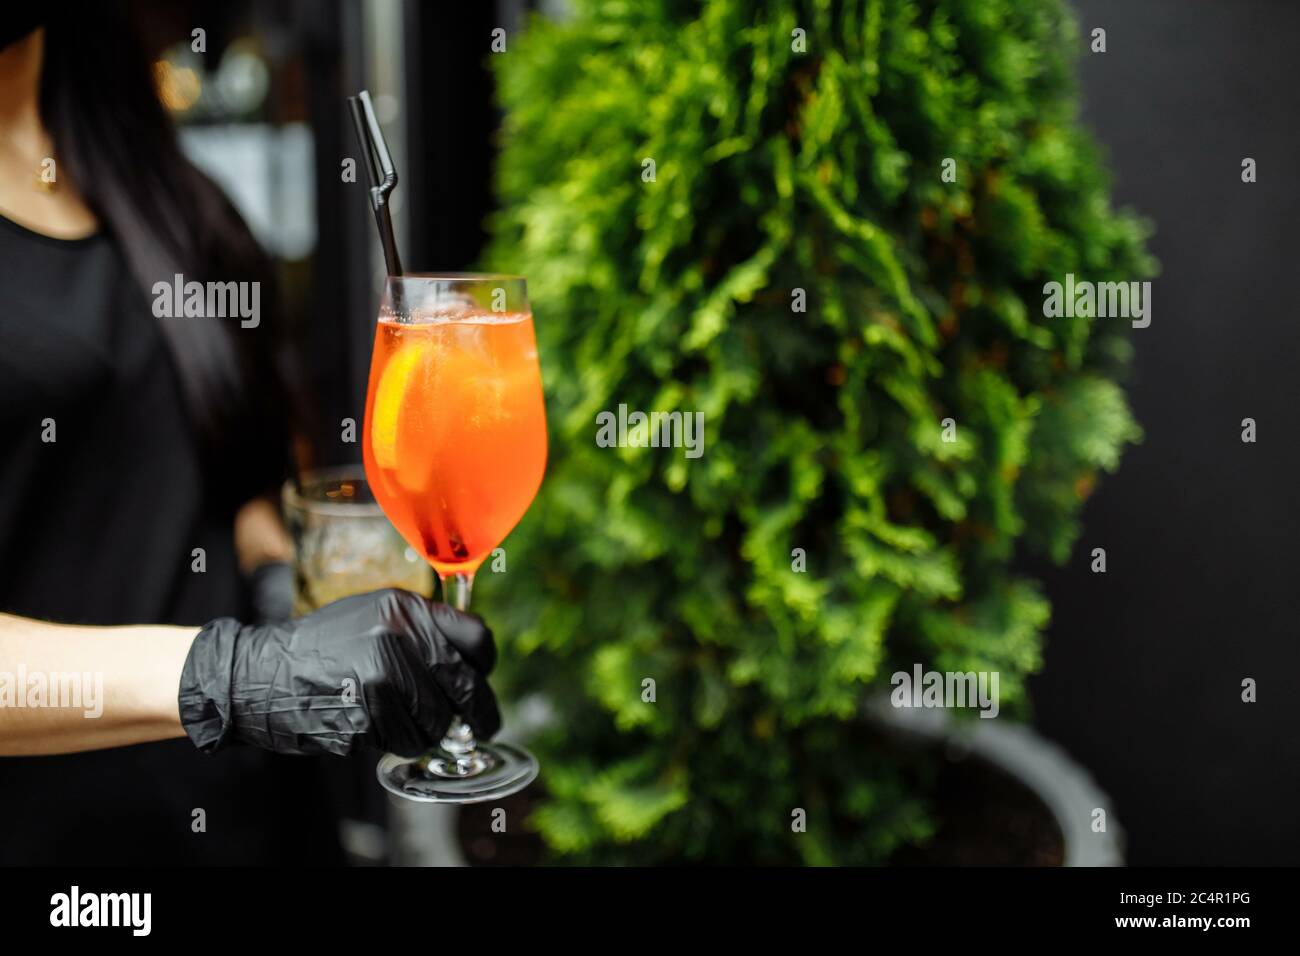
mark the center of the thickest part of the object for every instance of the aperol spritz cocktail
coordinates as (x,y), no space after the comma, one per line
(456,433)
(454,448)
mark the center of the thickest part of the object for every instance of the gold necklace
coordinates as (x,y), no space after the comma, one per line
(41,184)
(45,179)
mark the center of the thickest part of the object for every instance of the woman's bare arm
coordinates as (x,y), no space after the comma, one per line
(260,535)
(65,688)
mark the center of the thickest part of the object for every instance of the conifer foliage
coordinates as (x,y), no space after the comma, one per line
(827,226)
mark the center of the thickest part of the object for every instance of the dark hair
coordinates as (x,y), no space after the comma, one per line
(118,146)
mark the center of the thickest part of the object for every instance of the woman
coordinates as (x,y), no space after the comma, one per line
(135,475)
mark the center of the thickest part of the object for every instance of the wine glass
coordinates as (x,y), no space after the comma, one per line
(454,447)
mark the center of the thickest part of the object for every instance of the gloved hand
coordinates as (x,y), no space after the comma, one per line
(270,592)
(386,669)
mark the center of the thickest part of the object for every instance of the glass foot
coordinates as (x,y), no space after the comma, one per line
(489,772)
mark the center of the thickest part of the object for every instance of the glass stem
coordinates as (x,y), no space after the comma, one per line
(456,589)
(459,740)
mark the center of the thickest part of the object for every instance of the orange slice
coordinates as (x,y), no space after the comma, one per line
(402,370)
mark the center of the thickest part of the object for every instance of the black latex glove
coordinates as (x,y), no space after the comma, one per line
(386,669)
(270,592)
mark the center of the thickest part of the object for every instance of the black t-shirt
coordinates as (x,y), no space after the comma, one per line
(99,526)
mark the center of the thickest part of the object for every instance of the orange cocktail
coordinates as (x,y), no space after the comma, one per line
(455,432)
(455,447)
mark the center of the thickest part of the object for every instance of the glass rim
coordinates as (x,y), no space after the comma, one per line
(292,498)
(451,297)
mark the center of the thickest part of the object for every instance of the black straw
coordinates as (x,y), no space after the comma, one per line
(383,177)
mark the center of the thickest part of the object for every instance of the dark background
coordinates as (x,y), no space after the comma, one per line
(1145,662)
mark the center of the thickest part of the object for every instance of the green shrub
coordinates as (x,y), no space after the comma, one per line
(774,171)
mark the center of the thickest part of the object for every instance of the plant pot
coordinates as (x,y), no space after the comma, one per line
(1064,788)
(1004,796)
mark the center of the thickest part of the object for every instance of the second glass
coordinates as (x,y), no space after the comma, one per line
(455,447)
